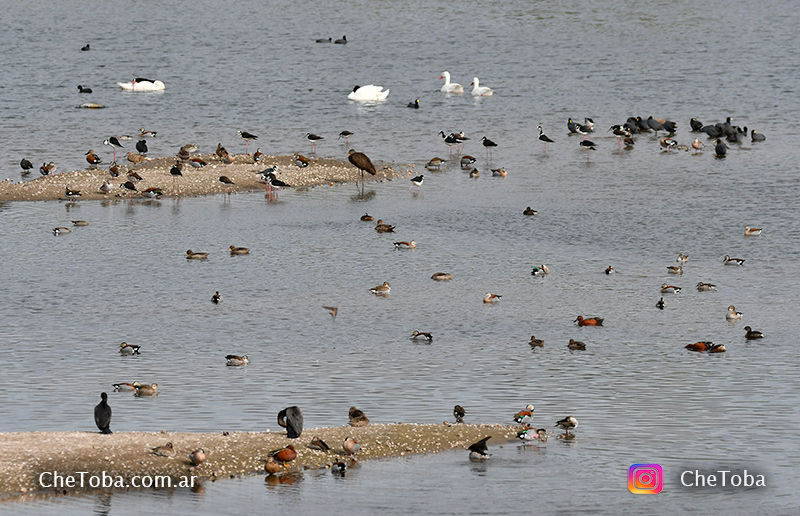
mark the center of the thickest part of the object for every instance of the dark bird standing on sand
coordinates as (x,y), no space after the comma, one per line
(141,146)
(459,413)
(291,418)
(102,414)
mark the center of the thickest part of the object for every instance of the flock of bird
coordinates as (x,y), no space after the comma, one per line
(291,418)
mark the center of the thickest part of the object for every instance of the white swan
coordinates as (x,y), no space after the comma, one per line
(140,84)
(480,91)
(368,93)
(450,87)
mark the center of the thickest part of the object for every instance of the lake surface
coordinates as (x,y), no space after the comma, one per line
(68,301)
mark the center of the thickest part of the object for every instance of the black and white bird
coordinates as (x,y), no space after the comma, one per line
(346,135)
(244,135)
(416,181)
(141,146)
(225,180)
(313,138)
(588,145)
(489,145)
(113,142)
(544,138)
(102,414)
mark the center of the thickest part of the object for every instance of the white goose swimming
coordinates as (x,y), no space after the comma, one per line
(450,87)
(140,84)
(480,91)
(368,93)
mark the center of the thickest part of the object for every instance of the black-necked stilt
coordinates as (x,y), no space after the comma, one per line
(274,183)
(588,125)
(362,162)
(416,181)
(271,170)
(244,135)
(544,138)
(620,132)
(461,139)
(81,89)
(225,180)
(86,47)
(449,140)
(489,144)
(757,137)
(146,134)
(113,142)
(128,185)
(342,41)
(93,159)
(26,166)
(414,105)
(346,135)
(588,145)
(313,138)
(141,146)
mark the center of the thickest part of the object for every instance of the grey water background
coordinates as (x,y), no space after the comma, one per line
(640,397)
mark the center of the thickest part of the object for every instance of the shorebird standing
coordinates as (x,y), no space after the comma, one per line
(346,135)
(568,423)
(362,162)
(544,138)
(416,181)
(489,144)
(26,166)
(244,135)
(113,142)
(141,146)
(313,138)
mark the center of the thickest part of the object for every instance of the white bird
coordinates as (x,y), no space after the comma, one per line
(368,93)
(140,84)
(480,91)
(450,87)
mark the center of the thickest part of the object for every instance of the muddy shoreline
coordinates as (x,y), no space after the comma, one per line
(155,173)
(26,455)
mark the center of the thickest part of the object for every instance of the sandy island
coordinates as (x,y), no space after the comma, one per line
(26,455)
(244,172)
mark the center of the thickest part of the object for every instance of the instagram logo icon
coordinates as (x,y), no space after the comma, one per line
(645,479)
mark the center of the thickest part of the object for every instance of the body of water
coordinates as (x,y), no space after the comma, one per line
(68,301)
